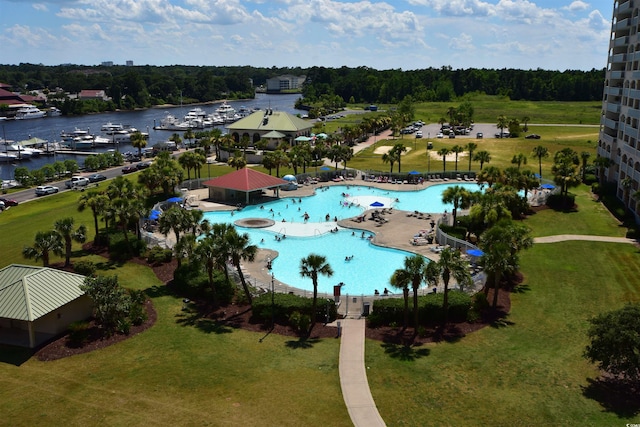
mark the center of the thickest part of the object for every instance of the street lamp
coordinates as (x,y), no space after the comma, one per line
(273,290)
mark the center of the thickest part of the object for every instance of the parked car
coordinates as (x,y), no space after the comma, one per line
(8,202)
(479,135)
(452,135)
(76,181)
(96,177)
(43,190)
(419,134)
(532,136)
(129,169)
(440,135)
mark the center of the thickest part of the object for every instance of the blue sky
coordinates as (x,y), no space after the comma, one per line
(391,34)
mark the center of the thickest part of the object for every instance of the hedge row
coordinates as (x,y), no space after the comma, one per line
(285,305)
(391,311)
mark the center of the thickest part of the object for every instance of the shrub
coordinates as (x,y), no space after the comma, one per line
(137,311)
(299,321)
(561,201)
(86,268)
(78,333)
(158,255)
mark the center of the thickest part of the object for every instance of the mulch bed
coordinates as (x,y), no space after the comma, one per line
(239,316)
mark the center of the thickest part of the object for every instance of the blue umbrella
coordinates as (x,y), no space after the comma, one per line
(155,214)
(475,252)
(174,200)
(414,173)
(537,175)
(376,204)
(548,186)
(325,168)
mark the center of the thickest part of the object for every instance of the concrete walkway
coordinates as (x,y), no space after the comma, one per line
(353,376)
(566,237)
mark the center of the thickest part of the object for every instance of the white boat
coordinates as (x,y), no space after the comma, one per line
(76,133)
(170,122)
(216,119)
(20,152)
(225,109)
(111,127)
(54,112)
(29,112)
(7,157)
(195,114)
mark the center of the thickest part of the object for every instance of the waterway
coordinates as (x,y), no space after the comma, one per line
(49,128)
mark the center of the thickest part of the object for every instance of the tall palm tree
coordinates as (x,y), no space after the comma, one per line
(502,123)
(64,227)
(97,201)
(207,251)
(490,175)
(444,152)
(602,163)
(496,260)
(457,149)
(519,160)
(240,249)
(139,141)
(400,280)
(525,122)
(174,219)
(397,151)
(584,156)
(45,243)
(483,157)
(389,158)
(414,268)
(459,197)
(471,147)
(540,152)
(310,267)
(452,264)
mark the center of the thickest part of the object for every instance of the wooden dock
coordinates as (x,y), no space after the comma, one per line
(77,153)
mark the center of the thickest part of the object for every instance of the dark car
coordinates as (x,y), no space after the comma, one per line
(8,202)
(129,169)
(96,177)
(532,136)
(143,165)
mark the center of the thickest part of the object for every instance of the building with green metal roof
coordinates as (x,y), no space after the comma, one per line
(271,125)
(38,303)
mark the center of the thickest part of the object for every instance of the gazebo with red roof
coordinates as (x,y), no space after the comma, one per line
(243,182)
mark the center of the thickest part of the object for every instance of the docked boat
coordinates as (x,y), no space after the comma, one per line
(110,128)
(171,122)
(29,112)
(20,152)
(225,110)
(54,112)
(7,157)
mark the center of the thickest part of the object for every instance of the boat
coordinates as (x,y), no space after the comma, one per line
(225,109)
(171,122)
(20,152)
(7,157)
(29,112)
(195,114)
(110,128)
(216,119)
(54,112)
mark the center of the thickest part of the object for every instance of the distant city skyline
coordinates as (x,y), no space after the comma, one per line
(392,34)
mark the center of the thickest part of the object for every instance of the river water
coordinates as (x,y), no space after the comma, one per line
(49,128)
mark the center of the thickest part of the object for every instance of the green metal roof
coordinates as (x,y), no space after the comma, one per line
(28,292)
(276,120)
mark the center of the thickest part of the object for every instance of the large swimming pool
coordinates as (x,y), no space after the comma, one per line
(371,266)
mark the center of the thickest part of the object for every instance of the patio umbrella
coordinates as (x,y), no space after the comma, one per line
(414,173)
(475,252)
(376,204)
(174,200)
(322,135)
(548,186)
(302,139)
(325,168)
(155,214)
(537,175)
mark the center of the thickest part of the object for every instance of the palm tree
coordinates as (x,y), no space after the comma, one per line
(496,260)
(97,201)
(564,166)
(64,227)
(490,175)
(502,123)
(471,147)
(483,157)
(389,158)
(452,264)
(238,161)
(443,152)
(525,121)
(457,149)
(626,184)
(46,242)
(540,152)
(207,250)
(602,163)
(400,280)
(239,250)
(311,266)
(174,219)
(519,159)
(414,268)
(584,156)
(139,141)
(459,197)
(397,151)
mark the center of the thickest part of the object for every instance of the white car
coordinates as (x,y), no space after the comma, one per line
(43,190)
(419,134)
(440,135)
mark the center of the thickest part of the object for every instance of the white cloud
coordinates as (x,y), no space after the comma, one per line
(457,7)
(577,6)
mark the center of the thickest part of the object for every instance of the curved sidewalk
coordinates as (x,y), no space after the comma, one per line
(591,238)
(353,376)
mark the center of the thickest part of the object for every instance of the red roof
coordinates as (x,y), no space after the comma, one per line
(245,179)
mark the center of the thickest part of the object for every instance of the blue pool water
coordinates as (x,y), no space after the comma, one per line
(371,266)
